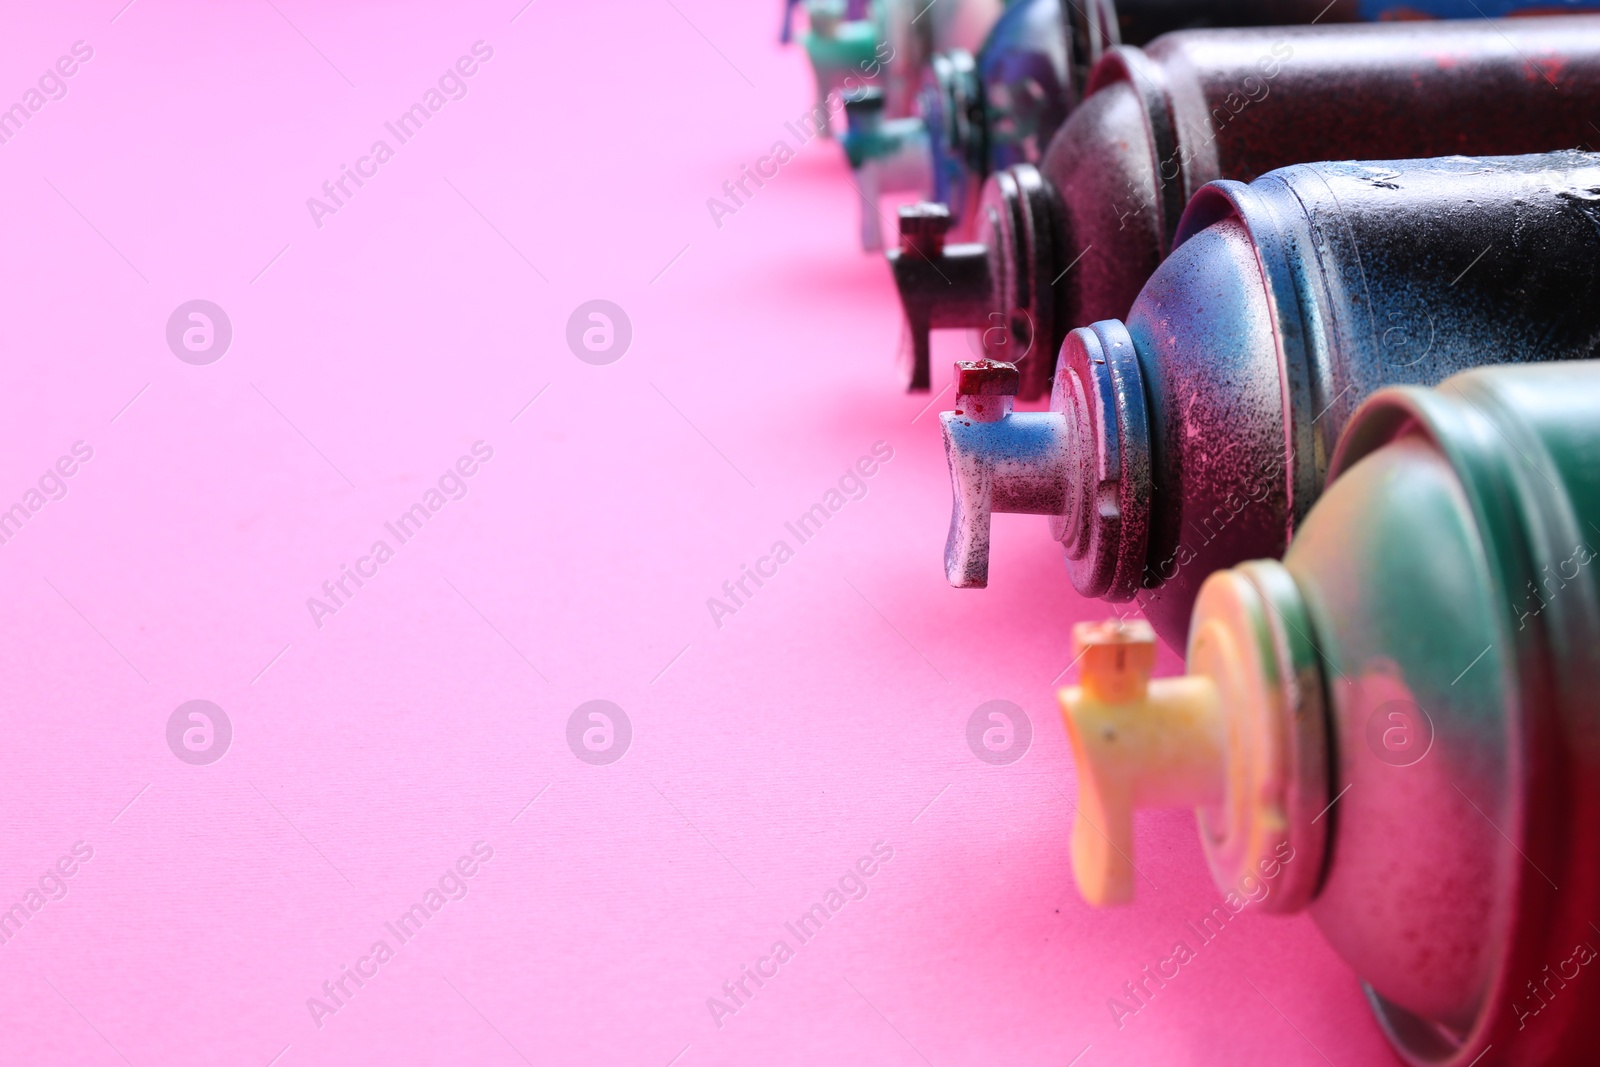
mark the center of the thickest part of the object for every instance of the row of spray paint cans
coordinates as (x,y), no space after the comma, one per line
(1330,429)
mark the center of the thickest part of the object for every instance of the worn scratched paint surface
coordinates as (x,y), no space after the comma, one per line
(1345,277)
(366,756)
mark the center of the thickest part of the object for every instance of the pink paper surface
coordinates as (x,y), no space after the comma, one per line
(375,745)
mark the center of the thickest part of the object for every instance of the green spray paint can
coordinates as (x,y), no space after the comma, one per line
(1397,728)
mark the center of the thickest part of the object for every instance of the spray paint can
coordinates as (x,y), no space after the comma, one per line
(1197,433)
(1002,107)
(1397,728)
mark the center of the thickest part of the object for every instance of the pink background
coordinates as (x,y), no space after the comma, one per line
(828,714)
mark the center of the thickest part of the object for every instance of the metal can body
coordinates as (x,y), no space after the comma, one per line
(1450,579)
(1202,105)
(1290,300)
(1197,107)
(1098,26)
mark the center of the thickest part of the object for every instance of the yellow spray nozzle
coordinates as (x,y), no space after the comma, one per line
(1241,738)
(1137,743)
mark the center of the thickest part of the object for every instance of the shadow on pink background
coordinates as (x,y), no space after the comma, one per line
(376,745)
